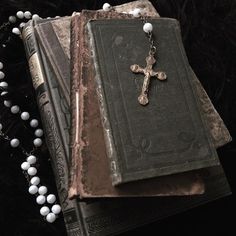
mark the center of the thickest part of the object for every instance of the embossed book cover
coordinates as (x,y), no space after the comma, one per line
(169,134)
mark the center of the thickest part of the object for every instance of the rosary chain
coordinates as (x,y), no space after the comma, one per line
(4,25)
(4,136)
(152,47)
(29,170)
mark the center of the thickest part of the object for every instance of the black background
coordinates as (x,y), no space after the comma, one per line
(209,36)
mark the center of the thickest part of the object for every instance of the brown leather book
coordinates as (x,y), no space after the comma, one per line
(90,173)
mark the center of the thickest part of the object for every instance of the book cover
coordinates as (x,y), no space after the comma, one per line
(90,150)
(167,136)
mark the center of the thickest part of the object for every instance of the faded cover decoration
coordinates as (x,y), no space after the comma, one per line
(111,217)
(169,134)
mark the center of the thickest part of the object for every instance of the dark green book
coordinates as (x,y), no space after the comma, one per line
(167,136)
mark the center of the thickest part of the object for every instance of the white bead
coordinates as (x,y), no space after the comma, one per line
(15,109)
(147,28)
(31,159)
(32,171)
(20,14)
(12,19)
(37,142)
(25,165)
(7,103)
(4,84)
(136,12)
(22,24)
(34,123)
(40,199)
(16,31)
(33,189)
(51,217)
(44,210)
(35,180)
(56,209)
(106,7)
(38,132)
(4,93)
(15,142)
(35,17)
(51,198)
(2,75)
(1,65)
(0,126)
(43,190)
(27,15)
(25,115)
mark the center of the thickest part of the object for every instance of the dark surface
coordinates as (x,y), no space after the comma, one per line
(208,30)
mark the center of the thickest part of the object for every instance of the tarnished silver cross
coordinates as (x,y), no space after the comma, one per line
(148,72)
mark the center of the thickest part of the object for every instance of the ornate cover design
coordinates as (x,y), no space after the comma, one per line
(167,136)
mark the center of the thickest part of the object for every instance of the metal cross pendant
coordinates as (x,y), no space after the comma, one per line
(148,72)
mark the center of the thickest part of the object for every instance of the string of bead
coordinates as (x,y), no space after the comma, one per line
(29,165)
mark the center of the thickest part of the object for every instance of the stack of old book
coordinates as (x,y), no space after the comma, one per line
(106,147)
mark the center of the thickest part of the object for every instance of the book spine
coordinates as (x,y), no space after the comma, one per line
(109,141)
(59,68)
(70,208)
(75,115)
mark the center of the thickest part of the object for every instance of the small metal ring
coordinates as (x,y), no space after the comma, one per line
(153,50)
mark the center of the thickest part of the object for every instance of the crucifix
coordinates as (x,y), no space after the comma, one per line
(148,72)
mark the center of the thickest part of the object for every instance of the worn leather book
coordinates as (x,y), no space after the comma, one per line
(90,157)
(107,216)
(167,136)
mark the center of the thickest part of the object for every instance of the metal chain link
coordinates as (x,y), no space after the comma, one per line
(7,138)
(4,25)
(152,47)
(4,136)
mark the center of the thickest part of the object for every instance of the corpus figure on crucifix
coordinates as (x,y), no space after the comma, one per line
(148,72)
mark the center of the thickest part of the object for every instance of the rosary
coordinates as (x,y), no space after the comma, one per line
(49,207)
